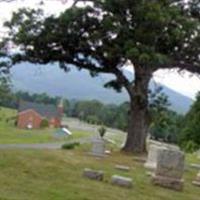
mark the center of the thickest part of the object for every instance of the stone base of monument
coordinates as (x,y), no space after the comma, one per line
(168,182)
(122,181)
(92,174)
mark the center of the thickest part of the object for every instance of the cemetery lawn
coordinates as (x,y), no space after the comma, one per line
(10,134)
(57,175)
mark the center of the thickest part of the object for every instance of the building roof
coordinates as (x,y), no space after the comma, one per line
(45,110)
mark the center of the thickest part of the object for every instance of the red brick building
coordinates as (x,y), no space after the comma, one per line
(30,115)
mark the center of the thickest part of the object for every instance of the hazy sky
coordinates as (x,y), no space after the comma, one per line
(185,83)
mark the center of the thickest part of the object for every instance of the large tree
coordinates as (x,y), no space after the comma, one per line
(107,35)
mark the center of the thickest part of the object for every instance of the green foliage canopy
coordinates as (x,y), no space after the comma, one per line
(191,127)
(105,36)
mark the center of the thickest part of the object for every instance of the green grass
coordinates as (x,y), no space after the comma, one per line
(9,134)
(57,175)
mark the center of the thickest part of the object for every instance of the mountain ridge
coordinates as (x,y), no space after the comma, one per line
(80,85)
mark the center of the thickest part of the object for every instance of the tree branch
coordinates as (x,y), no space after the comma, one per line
(182,66)
(123,80)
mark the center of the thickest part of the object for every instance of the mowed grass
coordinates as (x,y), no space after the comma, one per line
(10,134)
(57,175)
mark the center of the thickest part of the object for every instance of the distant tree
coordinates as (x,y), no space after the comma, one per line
(164,123)
(121,117)
(6,96)
(84,109)
(190,135)
(104,37)
(159,118)
(92,119)
(40,98)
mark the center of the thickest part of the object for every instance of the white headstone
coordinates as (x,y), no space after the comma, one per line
(154,151)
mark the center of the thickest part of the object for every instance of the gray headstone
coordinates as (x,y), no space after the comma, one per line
(195,166)
(122,181)
(170,169)
(122,167)
(92,174)
(98,147)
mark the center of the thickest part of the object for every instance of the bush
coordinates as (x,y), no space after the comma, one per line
(102,131)
(44,123)
(190,146)
(91,119)
(70,145)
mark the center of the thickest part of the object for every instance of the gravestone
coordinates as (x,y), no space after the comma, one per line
(122,181)
(98,147)
(197,180)
(122,167)
(170,169)
(154,151)
(154,148)
(195,166)
(92,174)
(150,142)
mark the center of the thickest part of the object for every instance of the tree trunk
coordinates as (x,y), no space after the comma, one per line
(138,114)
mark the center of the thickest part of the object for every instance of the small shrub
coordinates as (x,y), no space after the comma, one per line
(44,123)
(102,131)
(190,146)
(70,145)
(15,122)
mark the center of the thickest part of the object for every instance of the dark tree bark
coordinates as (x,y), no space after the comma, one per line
(138,114)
